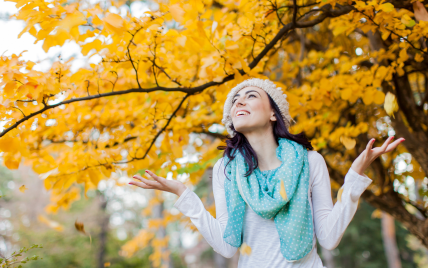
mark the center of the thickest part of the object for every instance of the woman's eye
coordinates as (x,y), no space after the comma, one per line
(251,95)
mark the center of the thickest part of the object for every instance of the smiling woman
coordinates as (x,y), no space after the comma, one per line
(272,191)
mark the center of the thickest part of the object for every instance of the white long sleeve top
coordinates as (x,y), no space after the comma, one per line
(330,222)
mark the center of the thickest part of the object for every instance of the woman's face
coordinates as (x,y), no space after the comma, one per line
(251,110)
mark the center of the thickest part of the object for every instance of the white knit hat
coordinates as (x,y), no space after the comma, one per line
(270,88)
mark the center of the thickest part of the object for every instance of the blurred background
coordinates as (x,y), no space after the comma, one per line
(110,225)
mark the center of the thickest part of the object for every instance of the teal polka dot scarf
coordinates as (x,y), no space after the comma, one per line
(292,216)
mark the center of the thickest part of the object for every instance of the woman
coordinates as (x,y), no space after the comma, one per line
(270,192)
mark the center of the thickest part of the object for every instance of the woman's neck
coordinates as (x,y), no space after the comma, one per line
(264,144)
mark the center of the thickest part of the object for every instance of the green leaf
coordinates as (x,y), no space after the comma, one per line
(411,23)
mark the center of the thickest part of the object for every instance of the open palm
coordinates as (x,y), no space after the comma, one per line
(364,160)
(159,183)
(420,11)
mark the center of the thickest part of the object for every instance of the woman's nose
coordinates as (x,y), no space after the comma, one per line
(240,102)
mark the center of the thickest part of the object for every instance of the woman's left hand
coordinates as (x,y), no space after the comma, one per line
(364,160)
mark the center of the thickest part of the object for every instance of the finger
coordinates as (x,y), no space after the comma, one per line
(415,5)
(393,145)
(370,144)
(156,177)
(141,184)
(385,144)
(146,181)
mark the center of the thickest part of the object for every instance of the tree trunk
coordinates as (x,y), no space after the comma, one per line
(102,237)
(389,241)
(328,258)
(219,260)
(161,232)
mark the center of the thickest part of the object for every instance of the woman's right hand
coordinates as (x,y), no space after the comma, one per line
(420,11)
(159,183)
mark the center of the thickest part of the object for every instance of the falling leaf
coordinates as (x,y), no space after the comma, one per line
(245,249)
(282,191)
(81,228)
(107,264)
(52,224)
(339,194)
(377,213)
(390,104)
(348,142)
(23,188)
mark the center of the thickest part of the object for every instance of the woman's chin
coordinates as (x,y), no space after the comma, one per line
(243,129)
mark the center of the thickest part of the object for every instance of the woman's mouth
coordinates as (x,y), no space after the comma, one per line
(242,113)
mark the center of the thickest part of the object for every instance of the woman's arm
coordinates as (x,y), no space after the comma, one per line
(212,229)
(191,206)
(330,222)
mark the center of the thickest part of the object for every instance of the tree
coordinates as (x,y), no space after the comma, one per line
(352,70)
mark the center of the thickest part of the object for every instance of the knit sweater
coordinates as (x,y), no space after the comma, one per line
(330,221)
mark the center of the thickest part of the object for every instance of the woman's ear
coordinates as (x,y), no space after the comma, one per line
(272,116)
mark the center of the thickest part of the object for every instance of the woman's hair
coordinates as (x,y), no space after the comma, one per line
(241,143)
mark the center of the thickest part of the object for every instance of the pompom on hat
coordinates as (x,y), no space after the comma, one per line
(270,88)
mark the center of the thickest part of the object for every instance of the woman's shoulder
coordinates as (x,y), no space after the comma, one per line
(314,156)
(315,159)
(218,171)
(219,164)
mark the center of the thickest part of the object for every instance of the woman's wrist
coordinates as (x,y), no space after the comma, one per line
(181,189)
(358,168)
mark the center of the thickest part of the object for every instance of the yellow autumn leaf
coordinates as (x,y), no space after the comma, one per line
(348,142)
(107,264)
(177,12)
(403,55)
(23,188)
(282,191)
(339,194)
(390,104)
(114,23)
(71,20)
(11,161)
(379,97)
(419,57)
(52,224)
(96,44)
(346,93)
(230,45)
(245,249)
(9,144)
(376,214)
(387,7)
(9,89)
